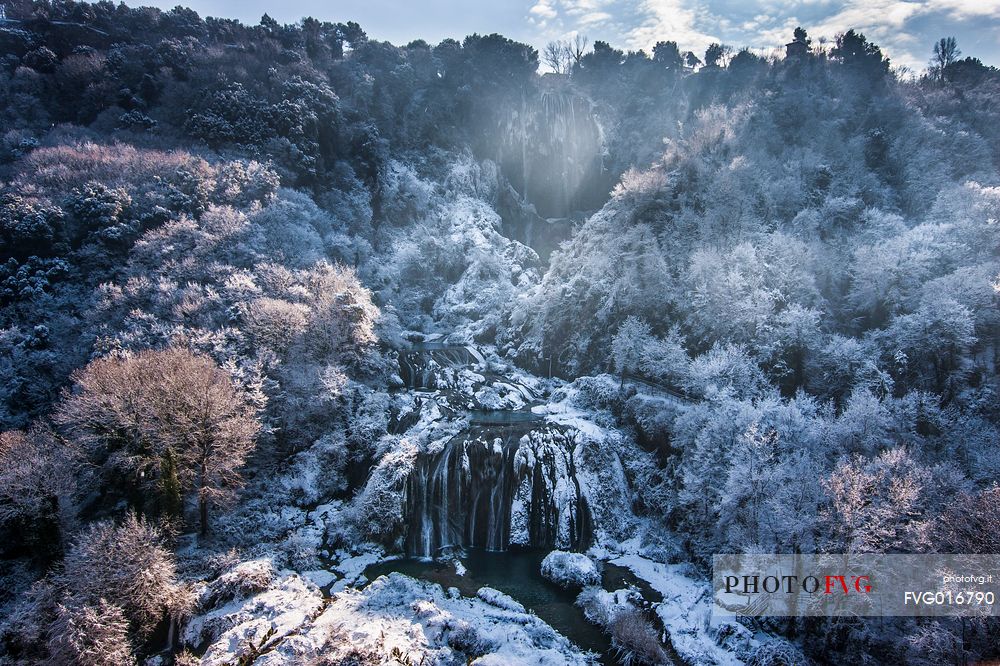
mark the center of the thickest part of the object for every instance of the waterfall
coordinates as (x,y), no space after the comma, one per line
(495,486)
(550,147)
(507,479)
(421,366)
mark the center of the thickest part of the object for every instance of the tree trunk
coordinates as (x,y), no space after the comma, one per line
(203,513)
(202,498)
(171,632)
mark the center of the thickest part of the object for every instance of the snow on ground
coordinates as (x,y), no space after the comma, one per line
(395,618)
(351,568)
(565,413)
(570,569)
(252,622)
(686,612)
(500,395)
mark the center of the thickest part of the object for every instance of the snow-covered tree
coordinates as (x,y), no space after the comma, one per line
(628,344)
(90,635)
(130,411)
(38,487)
(877,505)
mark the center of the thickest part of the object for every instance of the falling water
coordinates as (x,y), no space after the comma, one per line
(420,366)
(508,479)
(551,147)
(495,486)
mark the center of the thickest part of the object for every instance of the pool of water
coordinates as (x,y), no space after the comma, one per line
(517,573)
(433,346)
(501,417)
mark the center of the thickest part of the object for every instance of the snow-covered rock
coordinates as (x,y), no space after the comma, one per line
(351,567)
(252,624)
(499,599)
(242,580)
(600,606)
(570,569)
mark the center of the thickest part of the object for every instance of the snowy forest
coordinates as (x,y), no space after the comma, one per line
(315,349)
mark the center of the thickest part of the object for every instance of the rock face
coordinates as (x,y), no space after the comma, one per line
(420,367)
(494,486)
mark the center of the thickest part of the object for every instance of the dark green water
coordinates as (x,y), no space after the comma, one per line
(517,573)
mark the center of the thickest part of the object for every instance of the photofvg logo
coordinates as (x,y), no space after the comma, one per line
(837,585)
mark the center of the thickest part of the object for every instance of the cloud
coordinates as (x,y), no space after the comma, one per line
(966,9)
(593,18)
(673,20)
(562,18)
(900,27)
(887,22)
(543,10)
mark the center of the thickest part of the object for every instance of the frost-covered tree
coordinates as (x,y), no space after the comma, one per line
(116,586)
(931,347)
(628,344)
(130,411)
(970,525)
(126,565)
(90,636)
(664,359)
(38,488)
(946,52)
(877,505)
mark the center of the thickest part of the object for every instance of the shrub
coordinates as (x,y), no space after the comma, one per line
(90,636)
(636,640)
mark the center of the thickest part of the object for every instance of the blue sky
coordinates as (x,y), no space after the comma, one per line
(906,29)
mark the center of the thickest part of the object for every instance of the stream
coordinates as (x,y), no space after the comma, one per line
(518,573)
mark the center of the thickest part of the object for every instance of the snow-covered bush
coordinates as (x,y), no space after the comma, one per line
(378,507)
(242,580)
(499,599)
(636,640)
(570,569)
(90,636)
(317,473)
(603,392)
(468,640)
(598,605)
(128,566)
(776,653)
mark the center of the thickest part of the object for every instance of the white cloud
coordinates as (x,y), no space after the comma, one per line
(673,20)
(966,9)
(593,18)
(543,10)
(760,24)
